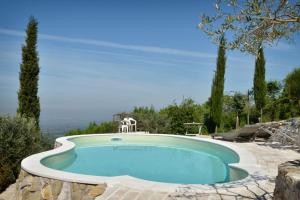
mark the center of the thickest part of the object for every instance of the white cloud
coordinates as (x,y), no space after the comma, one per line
(145,59)
(141,48)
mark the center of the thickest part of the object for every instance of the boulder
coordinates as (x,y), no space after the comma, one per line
(288,181)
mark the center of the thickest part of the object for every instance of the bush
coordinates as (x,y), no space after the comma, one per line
(19,138)
(292,82)
(150,120)
(6,174)
(186,112)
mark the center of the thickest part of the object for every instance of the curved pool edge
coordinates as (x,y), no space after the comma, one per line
(33,165)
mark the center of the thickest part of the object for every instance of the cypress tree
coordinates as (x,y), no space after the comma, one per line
(29,105)
(259,83)
(217,89)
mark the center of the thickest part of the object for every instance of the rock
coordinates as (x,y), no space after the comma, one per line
(82,186)
(65,193)
(56,186)
(87,198)
(75,186)
(47,192)
(76,192)
(25,194)
(77,195)
(31,183)
(26,182)
(97,190)
(22,175)
(284,132)
(35,184)
(9,193)
(288,181)
(31,187)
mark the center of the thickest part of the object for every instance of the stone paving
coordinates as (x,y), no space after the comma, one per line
(254,187)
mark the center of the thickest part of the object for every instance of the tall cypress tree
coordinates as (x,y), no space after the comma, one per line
(217,89)
(259,83)
(29,104)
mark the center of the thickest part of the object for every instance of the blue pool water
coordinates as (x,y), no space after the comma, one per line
(169,160)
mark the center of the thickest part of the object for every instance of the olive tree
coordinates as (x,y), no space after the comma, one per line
(251,23)
(19,138)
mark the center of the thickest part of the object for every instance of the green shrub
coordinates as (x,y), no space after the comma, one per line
(150,120)
(19,138)
(6,174)
(186,112)
(292,82)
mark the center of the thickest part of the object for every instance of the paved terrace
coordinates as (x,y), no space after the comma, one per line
(257,186)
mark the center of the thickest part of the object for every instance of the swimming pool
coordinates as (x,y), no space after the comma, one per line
(159,158)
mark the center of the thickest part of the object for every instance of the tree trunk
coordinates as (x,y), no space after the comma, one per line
(248,121)
(261,115)
(248,108)
(237,122)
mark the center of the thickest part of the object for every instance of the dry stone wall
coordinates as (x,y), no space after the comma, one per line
(285,132)
(30,187)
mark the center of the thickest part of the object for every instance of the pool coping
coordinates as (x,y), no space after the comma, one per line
(32,165)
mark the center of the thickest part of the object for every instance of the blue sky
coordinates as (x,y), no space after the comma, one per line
(98,58)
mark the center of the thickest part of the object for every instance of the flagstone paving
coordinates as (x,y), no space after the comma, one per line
(256,186)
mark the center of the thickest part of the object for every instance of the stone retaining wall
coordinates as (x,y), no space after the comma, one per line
(30,187)
(288,181)
(285,132)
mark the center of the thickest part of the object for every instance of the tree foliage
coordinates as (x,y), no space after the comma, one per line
(150,120)
(287,107)
(169,120)
(252,23)
(233,105)
(293,84)
(274,89)
(217,89)
(186,112)
(19,138)
(238,103)
(29,105)
(279,105)
(290,102)
(259,84)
